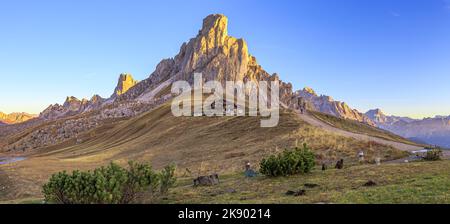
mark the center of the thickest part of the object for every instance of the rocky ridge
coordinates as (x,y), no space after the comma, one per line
(328,105)
(15,118)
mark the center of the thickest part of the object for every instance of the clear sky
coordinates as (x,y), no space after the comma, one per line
(389,54)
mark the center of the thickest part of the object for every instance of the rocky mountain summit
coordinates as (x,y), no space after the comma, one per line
(125,82)
(213,53)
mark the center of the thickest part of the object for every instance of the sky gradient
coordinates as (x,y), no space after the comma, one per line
(388,54)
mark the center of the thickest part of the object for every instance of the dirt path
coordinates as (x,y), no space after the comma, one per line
(318,123)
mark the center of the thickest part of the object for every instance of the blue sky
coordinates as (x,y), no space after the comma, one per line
(389,54)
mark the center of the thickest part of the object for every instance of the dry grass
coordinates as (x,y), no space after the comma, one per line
(200,145)
(417,183)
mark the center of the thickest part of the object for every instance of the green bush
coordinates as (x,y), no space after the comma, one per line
(168,179)
(289,162)
(106,185)
(433,155)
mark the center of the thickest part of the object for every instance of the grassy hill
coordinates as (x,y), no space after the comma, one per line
(225,142)
(197,145)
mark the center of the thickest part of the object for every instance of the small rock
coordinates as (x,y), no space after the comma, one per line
(340,164)
(296,193)
(207,180)
(370,184)
(311,185)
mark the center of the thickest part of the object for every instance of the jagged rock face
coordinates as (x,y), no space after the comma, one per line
(53,112)
(328,105)
(72,103)
(72,106)
(15,118)
(125,83)
(214,54)
(94,103)
(376,116)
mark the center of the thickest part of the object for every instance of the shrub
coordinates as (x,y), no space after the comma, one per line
(433,155)
(289,162)
(168,179)
(106,185)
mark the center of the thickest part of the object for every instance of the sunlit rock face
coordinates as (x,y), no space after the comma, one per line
(213,53)
(14,118)
(125,83)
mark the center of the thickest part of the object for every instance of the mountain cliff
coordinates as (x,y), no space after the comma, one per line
(213,53)
(125,82)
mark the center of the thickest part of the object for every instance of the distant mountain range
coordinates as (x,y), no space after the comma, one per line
(15,118)
(434,131)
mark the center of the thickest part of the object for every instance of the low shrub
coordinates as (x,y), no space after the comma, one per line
(289,162)
(107,185)
(167,179)
(433,155)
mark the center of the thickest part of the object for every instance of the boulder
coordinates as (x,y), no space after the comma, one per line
(207,180)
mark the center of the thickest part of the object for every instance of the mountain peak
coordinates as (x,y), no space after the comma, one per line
(96,98)
(215,25)
(375,112)
(126,81)
(310,91)
(14,118)
(71,99)
(377,116)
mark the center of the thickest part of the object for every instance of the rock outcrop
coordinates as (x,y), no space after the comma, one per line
(125,83)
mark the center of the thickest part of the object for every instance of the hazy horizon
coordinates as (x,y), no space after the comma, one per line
(391,55)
